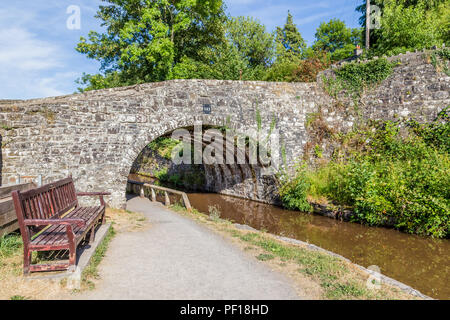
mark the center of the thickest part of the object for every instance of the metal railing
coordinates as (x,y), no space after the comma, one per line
(166,191)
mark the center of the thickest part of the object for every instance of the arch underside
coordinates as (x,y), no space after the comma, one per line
(243,180)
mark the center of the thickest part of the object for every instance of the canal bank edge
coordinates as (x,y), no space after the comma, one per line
(384,279)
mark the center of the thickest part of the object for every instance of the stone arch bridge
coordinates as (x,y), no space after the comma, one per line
(96,136)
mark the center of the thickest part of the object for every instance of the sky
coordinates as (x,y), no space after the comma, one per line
(37,48)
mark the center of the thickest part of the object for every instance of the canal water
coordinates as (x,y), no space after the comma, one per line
(422,263)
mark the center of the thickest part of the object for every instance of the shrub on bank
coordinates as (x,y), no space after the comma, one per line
(293,191)
(400,177)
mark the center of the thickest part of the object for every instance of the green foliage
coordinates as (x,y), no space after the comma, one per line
(162,175)
(145,39)
(440,60)
(358,76)
(17,297)
(337,40)
(293,191)
(9,245)
(355,77)
(282,71)
(91,270)
(290,44)
(394,179)
(89,82)
(251,40)
(245,54)
(265,257)
(435,134)
(407,25)
(290,50)
(164,146)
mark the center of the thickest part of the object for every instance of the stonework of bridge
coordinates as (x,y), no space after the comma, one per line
(96,136)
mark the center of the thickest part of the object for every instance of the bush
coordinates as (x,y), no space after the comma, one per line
(356,77)
(293,192)
(404,182)
(164,146)
(400,177)
(308,69)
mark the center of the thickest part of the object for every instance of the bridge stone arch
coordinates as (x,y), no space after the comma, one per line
(96,136)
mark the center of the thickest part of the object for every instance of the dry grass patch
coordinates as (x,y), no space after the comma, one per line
(126,221)
(14,286)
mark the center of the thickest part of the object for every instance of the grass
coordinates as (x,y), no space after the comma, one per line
(265,257)
(15,287)
(91,271)
(10,245)
(214,213)
(19,298)
(336,278)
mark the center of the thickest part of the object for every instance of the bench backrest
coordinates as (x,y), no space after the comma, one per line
(47,202)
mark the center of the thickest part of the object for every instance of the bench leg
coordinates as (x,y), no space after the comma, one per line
(72,256)
(26,261)
(92,235)
(104,217)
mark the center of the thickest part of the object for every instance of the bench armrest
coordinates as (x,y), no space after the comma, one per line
(46,222)
(94,194)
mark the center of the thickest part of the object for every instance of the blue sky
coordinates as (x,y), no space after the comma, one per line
(37,56)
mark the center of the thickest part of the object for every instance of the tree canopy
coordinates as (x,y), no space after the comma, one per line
(408,25)
(145,39)
(157,40)
(336,39)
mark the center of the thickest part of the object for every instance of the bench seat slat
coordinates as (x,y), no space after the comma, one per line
(56,235)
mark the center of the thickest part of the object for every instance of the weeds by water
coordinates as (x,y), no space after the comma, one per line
(214,213)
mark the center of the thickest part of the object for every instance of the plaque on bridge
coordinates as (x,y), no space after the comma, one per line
(207,109)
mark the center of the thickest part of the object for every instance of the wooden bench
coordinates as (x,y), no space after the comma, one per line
(51,219)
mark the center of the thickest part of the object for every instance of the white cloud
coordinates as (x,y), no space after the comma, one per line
(51,86)
(315,17)
(29,65)
(21,50)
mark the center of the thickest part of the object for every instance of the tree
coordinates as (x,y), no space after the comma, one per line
(290,50)
(145,39)
(250,38)
(407,28)
(248,48)
(290,43)
(336,39)
(408,24)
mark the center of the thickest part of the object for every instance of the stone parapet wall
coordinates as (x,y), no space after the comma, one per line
(96,136)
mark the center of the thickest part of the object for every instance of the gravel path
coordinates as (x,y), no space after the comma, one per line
(176,258)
